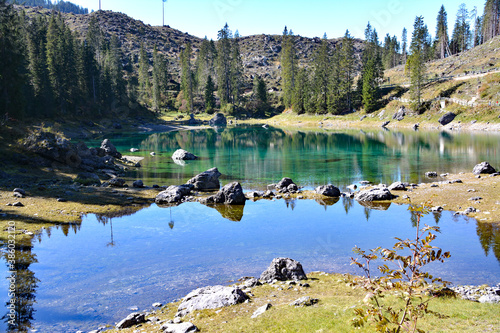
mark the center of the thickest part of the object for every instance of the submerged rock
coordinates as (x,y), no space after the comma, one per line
(183,155)
(283,269)
(212,297)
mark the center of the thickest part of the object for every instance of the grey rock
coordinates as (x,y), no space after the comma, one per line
(415,127)
(384,125)
(20,191)
(252,282)
(489,299)
(173,194)
(292,188)
(284,183)
(179,328)
(431,174)
(437,209)
(212,297)
(110,149)
(192,120)
(117,182)
(134,150)
(375,194)
(18,204)
(218,120)
(157,305)
(470,210)
(397,186)
(304,301)
(328,190)
(254,194)
(183,155)
(138,184)
(483,168)
(132,320)
(447,118)
(261,310)
(206,181)
(283,269)
(400,114)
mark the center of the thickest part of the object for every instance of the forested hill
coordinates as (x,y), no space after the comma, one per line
(61,6)
(260,53)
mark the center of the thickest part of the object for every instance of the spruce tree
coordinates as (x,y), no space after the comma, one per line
(224,77)
(491,19)
(372,71)
(209,95)
(289,66)
(416,61)
(348,70)
(404,45)
(205,63)
(461,33)
(160,79)
(236,71)
(144,79)
(442,33)
(321,76)
(187,76)
(301,94)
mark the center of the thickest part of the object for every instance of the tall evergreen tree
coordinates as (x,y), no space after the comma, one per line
(144,79)
(321,76)
(301,99)
(187,76)
(289,66)
(224,65)
(260,96)
(491,19)
(462,35)
(478,31)
(209,95)
(205,63)
(372,71)
(236,70)
(404,45)
(348,68)
(442,39)
(12,63)
(416,61)
(160,78)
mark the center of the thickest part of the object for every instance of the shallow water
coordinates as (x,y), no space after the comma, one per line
(91,274)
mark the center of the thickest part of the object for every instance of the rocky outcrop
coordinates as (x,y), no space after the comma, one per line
(132,320)
(173,194)
(206,181)
(447,118)
(328,190)
(400,114)
(212,297)
(230,194)
(374,194)
(110,149)
(305,301)
(483,168)
(218,120)
(184,155)
(283,269)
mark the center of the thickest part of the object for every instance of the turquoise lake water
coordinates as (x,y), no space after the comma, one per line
(93,273)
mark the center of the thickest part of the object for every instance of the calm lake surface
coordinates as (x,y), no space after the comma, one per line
(91,274)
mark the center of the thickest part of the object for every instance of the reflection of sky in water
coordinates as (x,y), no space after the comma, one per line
(86,282)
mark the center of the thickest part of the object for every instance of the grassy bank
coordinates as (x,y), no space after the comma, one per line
(333,313)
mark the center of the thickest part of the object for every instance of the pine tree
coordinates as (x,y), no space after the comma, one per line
(144,79)
(301,94)
(491,20)
(461,33)
(187,76)
(404,45)
(260,96)
(322,76)
(12,63)
(372,71)
(209,95)
(224,65)
(348,67)
(442,33)
(160,78)
(236,71)
(289,66)
(416,61)
(478,31)
(205,63)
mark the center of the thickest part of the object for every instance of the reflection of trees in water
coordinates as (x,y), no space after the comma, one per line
(489,236)
(26,286)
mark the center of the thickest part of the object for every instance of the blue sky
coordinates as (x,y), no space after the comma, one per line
(306,18)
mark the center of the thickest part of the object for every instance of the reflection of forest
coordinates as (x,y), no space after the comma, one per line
(255,154)
(26,285)
(489,236)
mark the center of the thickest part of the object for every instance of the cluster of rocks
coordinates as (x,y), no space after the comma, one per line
(287,270)
(479,294)
(286,185)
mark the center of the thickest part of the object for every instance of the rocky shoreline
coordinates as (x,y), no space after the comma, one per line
(282,274)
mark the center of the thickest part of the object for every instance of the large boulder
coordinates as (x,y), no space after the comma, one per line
(397,186)
(173,194)
(283,269)
(87,179)
(483,167)
(206,181)
(328,190)
(231,194)
(213,297)
(110,149)
(447,118)
(53,147)
(183,155)
(374,194)
(218,120)
(132,320)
